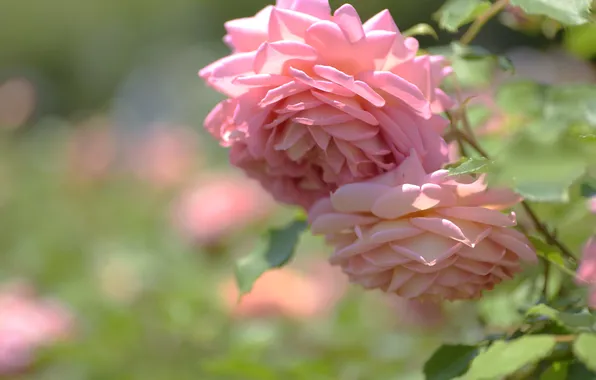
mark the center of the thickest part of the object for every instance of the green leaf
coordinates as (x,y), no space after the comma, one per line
(504,358)
(584,348)
(280,249)
(421,30)
(588,138)
(581,40)
(578,371)
(583,321)
(455,13)
(568,12)
(551,192)
(541,172)
(471,165)
(449,361)
(478,53)
(521,98)
(588,188)
(557,371)
(571,104)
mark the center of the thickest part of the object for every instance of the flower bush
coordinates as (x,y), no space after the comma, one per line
(353,122)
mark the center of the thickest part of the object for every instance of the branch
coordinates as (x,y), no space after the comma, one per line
(473,30)
(538,225)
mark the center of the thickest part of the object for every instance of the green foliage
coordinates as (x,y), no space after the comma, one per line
(281,244)
(568,12)
(455,13)
(505,358)
(544,160)
(581,40)
(576,322)
(557,371)
(585,349)
(578,371)
(471,166)
(449,362)
(421,30)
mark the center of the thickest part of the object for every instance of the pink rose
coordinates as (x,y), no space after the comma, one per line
(592,204)
(586,273)
(423,236)
(216,207)
(26,323)
(319,100)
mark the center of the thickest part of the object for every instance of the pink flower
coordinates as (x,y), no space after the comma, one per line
(18,99)
(27,323)
(91,150)
(216,207)
(319,100)
(586,273)
(166,155)
(592,204)
(285,292)
(423,236)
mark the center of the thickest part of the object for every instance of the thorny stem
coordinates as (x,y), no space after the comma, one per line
(538,225)
(462,111)
(454,132)
(545,284)
(473,30)
(548,235)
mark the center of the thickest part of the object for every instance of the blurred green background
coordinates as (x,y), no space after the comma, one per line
(101,144)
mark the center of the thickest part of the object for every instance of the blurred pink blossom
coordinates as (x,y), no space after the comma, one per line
(91,150)
(303,119)
(219,205)
(586,273)
(288,293)
(26,323)
(17,102)
(166,155)
(592,204)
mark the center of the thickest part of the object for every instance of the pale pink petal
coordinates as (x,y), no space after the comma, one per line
(479,215)
(401,89)
(357,197)
(349,21)
(428,249)
(466,232)
(289,25)
(515,242)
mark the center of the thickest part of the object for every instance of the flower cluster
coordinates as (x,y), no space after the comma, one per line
(344,119)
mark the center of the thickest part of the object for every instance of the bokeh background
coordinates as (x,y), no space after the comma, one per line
(120,219)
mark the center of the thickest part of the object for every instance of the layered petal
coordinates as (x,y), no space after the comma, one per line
(418,235)
(343,100)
